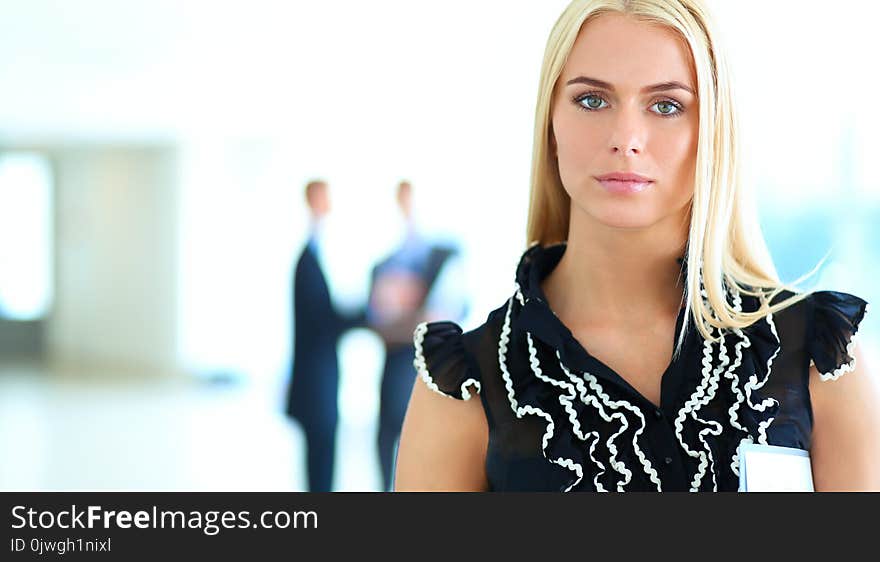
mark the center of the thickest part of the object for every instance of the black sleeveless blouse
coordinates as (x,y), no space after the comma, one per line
(561,420)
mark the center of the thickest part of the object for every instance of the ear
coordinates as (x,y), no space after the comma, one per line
(552,137)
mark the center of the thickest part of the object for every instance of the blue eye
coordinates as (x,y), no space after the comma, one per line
(593,102)
(589,99)
(672,111)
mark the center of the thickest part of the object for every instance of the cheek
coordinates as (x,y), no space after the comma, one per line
(677,146)
(677,153)
(576,143)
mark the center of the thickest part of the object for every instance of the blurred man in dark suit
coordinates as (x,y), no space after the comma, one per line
(415,283)
(317,326)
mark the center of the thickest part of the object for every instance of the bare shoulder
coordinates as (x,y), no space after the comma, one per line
(443,443)
(845,448)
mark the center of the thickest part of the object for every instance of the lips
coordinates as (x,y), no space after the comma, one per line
(625,182)
(624,176)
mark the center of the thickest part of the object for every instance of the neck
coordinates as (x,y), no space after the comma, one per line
(618,276)
(316,223)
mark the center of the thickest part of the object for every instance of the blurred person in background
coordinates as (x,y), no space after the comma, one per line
(317,327)
(419,280)
(647,335)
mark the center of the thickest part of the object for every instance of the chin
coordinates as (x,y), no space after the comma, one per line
(623,215)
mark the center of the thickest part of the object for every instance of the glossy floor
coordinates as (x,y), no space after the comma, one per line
(115,433)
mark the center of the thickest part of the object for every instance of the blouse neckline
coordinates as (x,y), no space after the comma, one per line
(538,319)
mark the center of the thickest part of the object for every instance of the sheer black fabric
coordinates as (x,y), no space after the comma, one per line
(561,420)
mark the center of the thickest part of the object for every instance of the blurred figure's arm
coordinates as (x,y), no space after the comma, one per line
(349,320)
(448,299)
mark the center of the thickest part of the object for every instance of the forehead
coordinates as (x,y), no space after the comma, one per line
(629,53)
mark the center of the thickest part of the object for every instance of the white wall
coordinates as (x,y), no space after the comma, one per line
(116,243)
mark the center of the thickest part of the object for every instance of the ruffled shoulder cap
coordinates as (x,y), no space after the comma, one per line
(442,361)
(834,320)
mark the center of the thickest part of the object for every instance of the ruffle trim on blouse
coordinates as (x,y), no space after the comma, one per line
(562,396)
(550,442)
(834,325)
(446,370)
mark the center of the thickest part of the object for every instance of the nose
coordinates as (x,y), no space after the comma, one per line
(628,133)
(626,150)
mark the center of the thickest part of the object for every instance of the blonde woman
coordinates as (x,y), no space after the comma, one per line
(648,334)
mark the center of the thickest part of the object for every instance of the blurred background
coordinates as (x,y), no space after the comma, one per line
(153,160)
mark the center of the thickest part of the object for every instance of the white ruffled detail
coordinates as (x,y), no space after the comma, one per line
(590,400)
(599,486)
(846,367)
(422,367)
(688,408)
(646,464)
(762,430)
(614,404)
(734,379)
(754,384)
(619,466)
(503,341)
(566,402)
(679,427)
(735,463)
(704,394)
(714,428)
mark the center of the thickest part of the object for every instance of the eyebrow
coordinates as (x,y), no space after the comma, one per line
(661,87)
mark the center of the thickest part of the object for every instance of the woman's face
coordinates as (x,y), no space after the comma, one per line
(620,126)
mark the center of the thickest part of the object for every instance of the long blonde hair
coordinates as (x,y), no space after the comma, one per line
(725,242)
